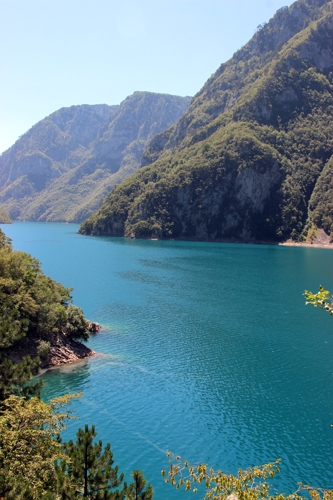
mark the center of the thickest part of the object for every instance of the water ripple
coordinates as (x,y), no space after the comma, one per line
(208,350)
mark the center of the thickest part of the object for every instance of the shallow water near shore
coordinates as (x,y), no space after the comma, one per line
(208,350)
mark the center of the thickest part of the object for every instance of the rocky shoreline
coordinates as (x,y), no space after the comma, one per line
(64,350)
(58,349)
(319,240)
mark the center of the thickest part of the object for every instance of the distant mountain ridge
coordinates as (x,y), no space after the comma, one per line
(62,168)
(252,157)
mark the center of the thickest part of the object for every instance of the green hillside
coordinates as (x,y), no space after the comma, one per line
(5,217)
(64,166)
(251,158)
(37,316)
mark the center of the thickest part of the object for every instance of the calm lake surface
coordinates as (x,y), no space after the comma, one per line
(208,350)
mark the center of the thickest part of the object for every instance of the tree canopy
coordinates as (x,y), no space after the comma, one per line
(90,468)
(32,308)
(29,446)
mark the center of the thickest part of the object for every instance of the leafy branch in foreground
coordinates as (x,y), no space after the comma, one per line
(323,299)
(250,484)
(29,445)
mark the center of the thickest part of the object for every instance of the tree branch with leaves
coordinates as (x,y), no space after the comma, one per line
(249,484)
(322,299)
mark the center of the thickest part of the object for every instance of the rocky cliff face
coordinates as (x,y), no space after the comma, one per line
(250,153)
(63,167)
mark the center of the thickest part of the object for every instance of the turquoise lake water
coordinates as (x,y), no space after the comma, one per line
(208,350)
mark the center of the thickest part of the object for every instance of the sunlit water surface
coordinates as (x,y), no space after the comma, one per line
(207,350)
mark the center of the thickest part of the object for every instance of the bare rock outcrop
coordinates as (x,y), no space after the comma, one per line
(94,327)
(64,350)
(58,349)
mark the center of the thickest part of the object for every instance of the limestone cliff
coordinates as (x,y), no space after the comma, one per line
(63,167)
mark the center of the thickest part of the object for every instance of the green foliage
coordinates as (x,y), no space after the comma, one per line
(5,217)
(5,242)
(29,447)
(90,468)
(321,201)
(15,375)
(138,490)
(322,299)
(33,307)
(43,349)
(89,472)
(250,484)
(76,324)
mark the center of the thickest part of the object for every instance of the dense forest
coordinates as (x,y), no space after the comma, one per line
(251,158)
(35,312)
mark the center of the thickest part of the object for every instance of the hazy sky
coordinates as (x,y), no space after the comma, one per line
(56,53)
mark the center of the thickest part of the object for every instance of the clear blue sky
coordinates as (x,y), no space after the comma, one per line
(56,53)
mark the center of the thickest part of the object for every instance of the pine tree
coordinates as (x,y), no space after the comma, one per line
(136,489)
(90,472)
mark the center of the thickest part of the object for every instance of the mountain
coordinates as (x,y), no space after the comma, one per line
(63,167)
(252,157)
(5,217)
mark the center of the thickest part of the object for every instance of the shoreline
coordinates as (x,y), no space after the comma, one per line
(322,240)
(65,351)
(62,351)
(305,244)
(69,364)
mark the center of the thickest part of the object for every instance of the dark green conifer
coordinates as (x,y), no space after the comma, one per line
(90,471)
(137,489)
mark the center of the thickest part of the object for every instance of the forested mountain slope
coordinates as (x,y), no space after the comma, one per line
(63,167)
(251,159)
(4,217)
